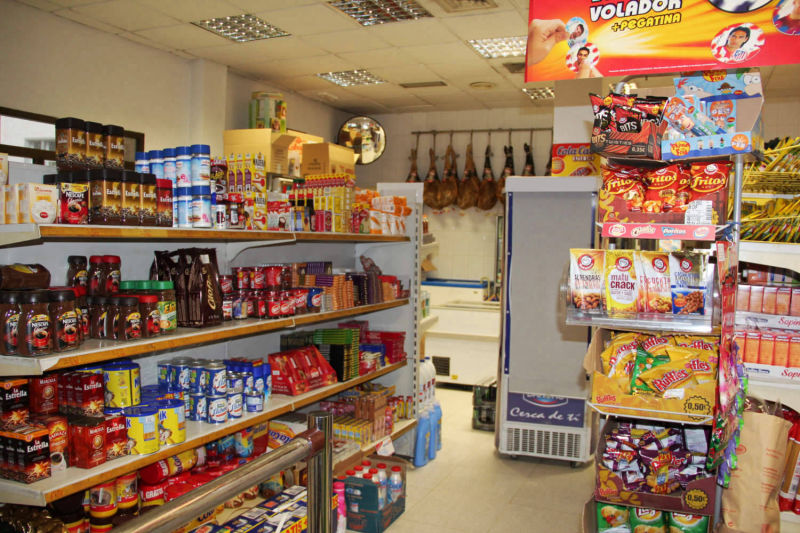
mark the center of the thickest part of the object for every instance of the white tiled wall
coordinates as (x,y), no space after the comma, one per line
(467,241)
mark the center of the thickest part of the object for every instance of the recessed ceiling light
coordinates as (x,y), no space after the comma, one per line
(500,47)
(349,78)
(459,6)
(241,28)
(539,93)
(482,85)
(371,12)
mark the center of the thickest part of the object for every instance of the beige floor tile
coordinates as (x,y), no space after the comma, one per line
(515,518)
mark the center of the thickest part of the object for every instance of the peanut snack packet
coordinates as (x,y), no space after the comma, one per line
(621,284)
(687,278)
(654,282)
(586,279)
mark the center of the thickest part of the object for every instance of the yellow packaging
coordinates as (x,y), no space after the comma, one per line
(11,194)
(702,363)
(260,211)
(142,430)
(258,173)
(38,203)
(249,209)
(621,284)
(668,380)
(655,282)
(171,422)
(3,169)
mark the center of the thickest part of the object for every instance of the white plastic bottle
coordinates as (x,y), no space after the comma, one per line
(396,488)
(375,473)
(383,479)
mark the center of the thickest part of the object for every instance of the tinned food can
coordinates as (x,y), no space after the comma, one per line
(235,407)
(180,374)
(235,382)
(216,378)
(197,377)
(198,410)
(217,409)
(254,402)
(142,425)
(171,422)
(122,384)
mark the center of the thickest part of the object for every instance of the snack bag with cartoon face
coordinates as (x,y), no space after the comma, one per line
(612,518)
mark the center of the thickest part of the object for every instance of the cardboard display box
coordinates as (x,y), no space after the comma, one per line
(698,498)
(327,158)
(362,502)
(611,398)
(589,518)
(273,145)
(296,150)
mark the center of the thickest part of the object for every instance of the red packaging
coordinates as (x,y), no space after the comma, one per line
(769,303)
(683,193)
(90,394)
(88,438)
(155,473)
(226,284)
(164,200)
(757,275)
(151,494)
(260,301)
(743,298)
(63,399)
(708,178)
(183,477)
(44,394)
(794,307)
(116,436)
(273,304)
(783,301)
(13,403)
(752,347)
(300,301)
(241,278)
(58,430)
(175,491)
(766,348)
(618,181)
(258,278)
(287,304)
(32,445)
(272,277)
(781,355)
(662,189)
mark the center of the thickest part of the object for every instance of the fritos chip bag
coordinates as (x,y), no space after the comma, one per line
(708,178)
(625,182)
(662,189)
(654,282)
(683,192)
(586,279)
(621,284)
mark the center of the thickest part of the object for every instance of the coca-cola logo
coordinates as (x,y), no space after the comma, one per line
(585,262)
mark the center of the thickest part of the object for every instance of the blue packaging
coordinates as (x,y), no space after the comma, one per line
(226,447)
(198,410)
(142,164)
(249,381)
(196,377)
(184,206)
(217,409)
(216,378)
(254,402)
(156,158)
(243,441)
(201,164)
(235,382)
(235,404)
(267,382)
(169,165)
(183,166)
(180,375)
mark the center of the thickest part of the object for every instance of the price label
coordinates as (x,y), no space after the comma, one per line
(386,447)
(699,212)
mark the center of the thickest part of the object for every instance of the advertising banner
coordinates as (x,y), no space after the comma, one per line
(547,410)
(594,38)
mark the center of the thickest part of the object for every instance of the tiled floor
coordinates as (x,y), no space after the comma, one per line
(470,488)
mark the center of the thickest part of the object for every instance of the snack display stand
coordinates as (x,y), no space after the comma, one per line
(49,245)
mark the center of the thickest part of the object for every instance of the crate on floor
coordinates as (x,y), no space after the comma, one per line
(484,400)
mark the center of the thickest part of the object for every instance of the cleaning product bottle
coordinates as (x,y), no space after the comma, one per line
(434,429)
(423,438)
(341,514)
(437,407)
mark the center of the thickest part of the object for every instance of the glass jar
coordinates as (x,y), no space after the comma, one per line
(98,314)
(65,329)
(77,275)
(148,207)
(167,305)
(9,321)
(82,308)
(112,265)
(131,198)
(35,324)
(150,316)
(129,326)
(97,276)
(112,317)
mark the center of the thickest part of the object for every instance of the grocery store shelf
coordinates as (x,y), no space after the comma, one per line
(95,351)
(427,323)
(771,253)
(760,320)
(670,323)
(343,462)
(21,233)
(786,393)
(73,480)
(400,428)
(427,249)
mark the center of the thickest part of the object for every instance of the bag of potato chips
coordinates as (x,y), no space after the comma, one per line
(687,523)
(612,518)
(643,520)
(645,361)
(668,380)
(621,284)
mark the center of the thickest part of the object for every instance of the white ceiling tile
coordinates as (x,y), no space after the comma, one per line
(444,97)
(253,52)
(477,67)
(362,108)
(87,20)
(72,3)
(503,24)
(45,5)
(413,108)
(308,20)
(129,15)
(406,74)
(254,6)
(413,32)
(194,10)
(459,106)
(303,83)
(379,91)
(144,40)
(183,37)
(353,40)
(455,51)
(300,66)
(384,57)
(403,101)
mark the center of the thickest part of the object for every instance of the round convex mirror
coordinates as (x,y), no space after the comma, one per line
(365,136)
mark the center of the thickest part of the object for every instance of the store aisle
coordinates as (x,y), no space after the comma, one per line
(469,488)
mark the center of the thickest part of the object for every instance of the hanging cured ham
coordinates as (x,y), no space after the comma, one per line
(528,169)
(508,170)
(449,185)
(431,192)
(413,174)
(468,187)
(487,194)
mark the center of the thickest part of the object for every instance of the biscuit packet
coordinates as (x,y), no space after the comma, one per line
(645,361)
(654,282)
(688,283)
(621,283)
(649,520)
(586,279)
(612,518)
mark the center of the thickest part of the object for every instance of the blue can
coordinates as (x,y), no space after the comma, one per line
(217,408)
(156,160)
(196,377)
(235,382)
(235,407)
(180,375)
(142,163)
(226,447)
(201,164)
(184,205)
(254,402)
(244,442)
(258,376)
(164,373)
(216,378)
(248,378)
(267,382)
(198,410)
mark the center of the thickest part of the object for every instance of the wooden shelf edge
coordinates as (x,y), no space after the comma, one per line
(186,337)
(401,428)
(123,466)
(67,231)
